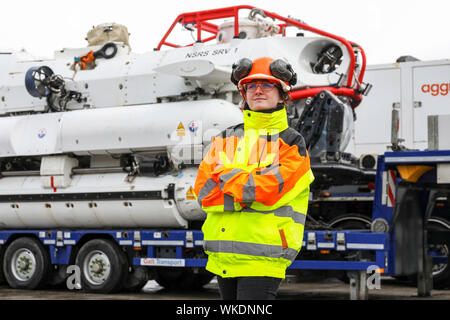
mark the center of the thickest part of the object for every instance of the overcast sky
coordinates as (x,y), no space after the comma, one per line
(386,29)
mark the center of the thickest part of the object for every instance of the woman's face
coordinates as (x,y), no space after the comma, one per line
(262,95)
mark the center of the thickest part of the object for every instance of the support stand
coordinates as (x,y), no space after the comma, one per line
(425,262)
(358,287)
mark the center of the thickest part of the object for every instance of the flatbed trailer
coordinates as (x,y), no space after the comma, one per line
(171,248)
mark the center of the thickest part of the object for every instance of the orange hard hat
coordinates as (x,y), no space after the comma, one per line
(264,68)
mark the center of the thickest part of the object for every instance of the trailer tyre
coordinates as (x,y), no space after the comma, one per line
(103,266)
(26,264)
(2,277)
(181,279)
(441,272)
(351,222)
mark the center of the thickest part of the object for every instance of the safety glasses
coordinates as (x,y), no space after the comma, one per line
(265,87)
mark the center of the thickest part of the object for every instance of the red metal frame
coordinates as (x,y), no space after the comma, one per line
(201,21)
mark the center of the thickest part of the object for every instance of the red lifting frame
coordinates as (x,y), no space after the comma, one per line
(200,20)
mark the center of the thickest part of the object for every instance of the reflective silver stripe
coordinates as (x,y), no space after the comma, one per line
(225,177)
(249,189)
(228,202)
(209,185)
(268,169)
(280,179)
(285,211)
(252,249)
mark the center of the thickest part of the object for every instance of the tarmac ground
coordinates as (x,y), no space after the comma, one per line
(290,289)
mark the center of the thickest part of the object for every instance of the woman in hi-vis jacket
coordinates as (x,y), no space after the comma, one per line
(254,186)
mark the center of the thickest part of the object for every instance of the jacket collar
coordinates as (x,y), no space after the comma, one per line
(270,119)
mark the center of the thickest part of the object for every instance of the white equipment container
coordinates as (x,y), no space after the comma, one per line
(416,89)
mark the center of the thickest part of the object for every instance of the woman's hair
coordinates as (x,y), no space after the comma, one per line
(283,95)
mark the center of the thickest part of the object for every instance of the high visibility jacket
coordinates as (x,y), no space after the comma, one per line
(254,186)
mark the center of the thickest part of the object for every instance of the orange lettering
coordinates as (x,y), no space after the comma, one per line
(444,89)
(434,89)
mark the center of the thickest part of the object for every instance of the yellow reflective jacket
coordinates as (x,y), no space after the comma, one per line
(254,186)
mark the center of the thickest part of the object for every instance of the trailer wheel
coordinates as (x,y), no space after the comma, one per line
(136,279)
(2,277)
(441,271)
(181,279)
(26,264)
(351,222)
(103,266)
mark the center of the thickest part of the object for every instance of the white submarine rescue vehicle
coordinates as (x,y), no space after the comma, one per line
(102,137)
